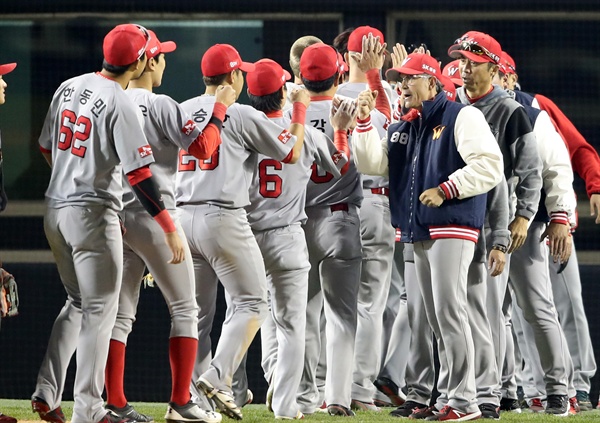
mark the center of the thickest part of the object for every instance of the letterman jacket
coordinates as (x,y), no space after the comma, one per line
(448,145)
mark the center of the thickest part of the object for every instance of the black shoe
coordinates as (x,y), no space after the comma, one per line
(509,404)
(111,418)
(390,389)
(339,410)
(557,405)
(583,398)
(424,413)
(408,408)
(129,412)
(489,411)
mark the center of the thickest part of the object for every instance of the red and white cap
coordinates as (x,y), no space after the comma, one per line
(156,47)
(478,47)
(266,78)
(418,64)
(125,44)
(507,64)
(7,68)
(320,62)
(451,72)
(223,58)
(356,37)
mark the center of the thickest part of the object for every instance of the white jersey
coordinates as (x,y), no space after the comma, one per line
(225,178)
(323,189)
(379,121)
(95,134)
(168,128)
(278,190)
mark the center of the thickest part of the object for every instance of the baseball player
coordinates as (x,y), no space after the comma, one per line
(480,54)
(211,195)
(566,285)
(443,235)
(4,69)
(275,213)
(365,58)
(92,134)
(167,129)
(333,238)
(295,53)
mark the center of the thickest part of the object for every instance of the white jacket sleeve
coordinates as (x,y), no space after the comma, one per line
(557,173)
(478,148)
(369,151)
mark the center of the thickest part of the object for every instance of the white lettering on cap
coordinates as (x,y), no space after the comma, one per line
(426,67)
(405,61)
(233,64)
(153,49)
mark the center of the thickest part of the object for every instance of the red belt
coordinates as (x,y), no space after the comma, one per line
(339,207)
(381,191)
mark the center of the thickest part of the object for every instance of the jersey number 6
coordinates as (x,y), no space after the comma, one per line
(82,126)
(270,185)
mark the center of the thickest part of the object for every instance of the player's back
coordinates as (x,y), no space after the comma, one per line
(278,190)
(323,189)
(94,132)
(225,178)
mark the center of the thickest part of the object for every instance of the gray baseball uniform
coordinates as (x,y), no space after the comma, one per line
(333,239)
(95,134)
(211,195)
(275,213)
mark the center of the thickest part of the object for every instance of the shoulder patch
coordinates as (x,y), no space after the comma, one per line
(189,127)
(145,151)
(285,136)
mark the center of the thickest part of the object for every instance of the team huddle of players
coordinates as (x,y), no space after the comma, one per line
(290,203)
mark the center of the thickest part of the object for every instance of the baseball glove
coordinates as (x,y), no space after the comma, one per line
(9,295)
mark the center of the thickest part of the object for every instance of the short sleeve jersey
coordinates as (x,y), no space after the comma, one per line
(168,128)
(225,178)
(94,132)
(278,190)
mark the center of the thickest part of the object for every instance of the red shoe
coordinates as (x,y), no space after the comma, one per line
(573,406)
(449,414)
(40,406)
(7,419)
(536,405)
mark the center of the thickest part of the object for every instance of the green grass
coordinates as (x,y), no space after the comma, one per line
(257,413)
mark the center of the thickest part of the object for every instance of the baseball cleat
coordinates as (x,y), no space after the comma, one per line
(249,397)
(390,389)
(7,419)
(190,412)
(536,405)
(339,410)
(363,406)
(129,412)
(557,405)
(111,418)
(269,400)
(449,414)
(574,406)
(40,406)
(222,399)
(408,408)
(510,404)
(424,413)
(299,416)
(489,411)
(583,398)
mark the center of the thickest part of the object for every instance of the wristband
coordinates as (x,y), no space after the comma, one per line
(500,248)
(299,113)
(164,220)
(219,111)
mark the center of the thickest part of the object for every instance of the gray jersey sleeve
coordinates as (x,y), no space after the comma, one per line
(175,123)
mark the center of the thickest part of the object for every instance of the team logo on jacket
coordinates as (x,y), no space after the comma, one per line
(285,136)
(145,150)
(437,132)
(189,127)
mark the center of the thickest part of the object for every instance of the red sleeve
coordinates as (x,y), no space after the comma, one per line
(206,143)
(43,150)
(340,140)
(381,102)
(136,176)
(584,158)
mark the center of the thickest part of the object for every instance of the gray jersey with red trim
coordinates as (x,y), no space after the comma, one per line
(323,189)
(278,190)
(168,128)
(99,136)
(224,179)
(379,121)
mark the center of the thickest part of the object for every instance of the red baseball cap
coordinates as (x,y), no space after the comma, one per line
(223,58)
(7,68)
(419,63)
(478,47)
(449,87)
(155,47)
(451,72)
(266,78)
(125,44)
(507,64)
(320,62)
(356,37)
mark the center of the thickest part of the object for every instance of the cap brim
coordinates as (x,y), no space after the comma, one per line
(456,53)
(393,74)
(288,75)
(247,67)
(7,68)
(167,46)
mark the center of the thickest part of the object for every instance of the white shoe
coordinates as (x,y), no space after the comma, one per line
(223,399)
(299,416)
(269,400)
(190,412)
